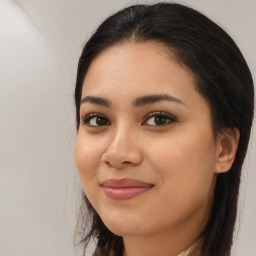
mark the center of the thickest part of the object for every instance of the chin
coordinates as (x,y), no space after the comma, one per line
(124,230)
(124,226)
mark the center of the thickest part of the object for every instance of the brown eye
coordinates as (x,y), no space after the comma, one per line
(96,120)
(158,119)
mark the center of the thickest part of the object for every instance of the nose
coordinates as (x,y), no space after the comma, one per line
(122,151)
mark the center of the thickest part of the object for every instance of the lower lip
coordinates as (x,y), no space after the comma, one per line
(124,193)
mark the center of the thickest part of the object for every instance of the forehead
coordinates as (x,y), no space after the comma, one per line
(136,66)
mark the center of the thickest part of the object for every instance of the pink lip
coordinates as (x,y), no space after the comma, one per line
(124,189)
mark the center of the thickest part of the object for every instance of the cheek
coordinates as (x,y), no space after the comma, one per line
(188,151)
(87,159)
(185,164)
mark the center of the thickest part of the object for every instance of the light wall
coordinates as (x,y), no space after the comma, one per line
(40,42)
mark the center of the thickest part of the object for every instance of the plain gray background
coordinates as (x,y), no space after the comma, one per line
(40,42)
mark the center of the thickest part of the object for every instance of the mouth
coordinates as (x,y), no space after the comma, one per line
(124,189)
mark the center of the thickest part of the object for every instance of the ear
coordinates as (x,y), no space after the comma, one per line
(227,144)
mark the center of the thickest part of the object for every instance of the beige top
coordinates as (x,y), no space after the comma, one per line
(194,249)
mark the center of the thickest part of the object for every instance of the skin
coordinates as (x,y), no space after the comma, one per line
(180,157)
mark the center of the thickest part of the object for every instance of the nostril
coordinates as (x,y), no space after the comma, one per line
(127,162)
(108,163)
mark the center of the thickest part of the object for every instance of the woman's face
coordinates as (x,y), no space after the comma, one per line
(145,150)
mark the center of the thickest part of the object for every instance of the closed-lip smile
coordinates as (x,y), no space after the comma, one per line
(124,189)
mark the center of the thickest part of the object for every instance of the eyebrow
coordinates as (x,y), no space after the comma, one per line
(96,100)
(139,102)
(148,99)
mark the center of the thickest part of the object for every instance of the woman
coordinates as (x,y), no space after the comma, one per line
(164,107)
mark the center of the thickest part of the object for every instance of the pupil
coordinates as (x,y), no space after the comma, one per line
(101,121)
(160,120)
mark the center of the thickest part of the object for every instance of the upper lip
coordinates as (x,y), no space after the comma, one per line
(125,183)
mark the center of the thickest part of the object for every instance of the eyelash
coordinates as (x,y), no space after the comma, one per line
(170,119)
